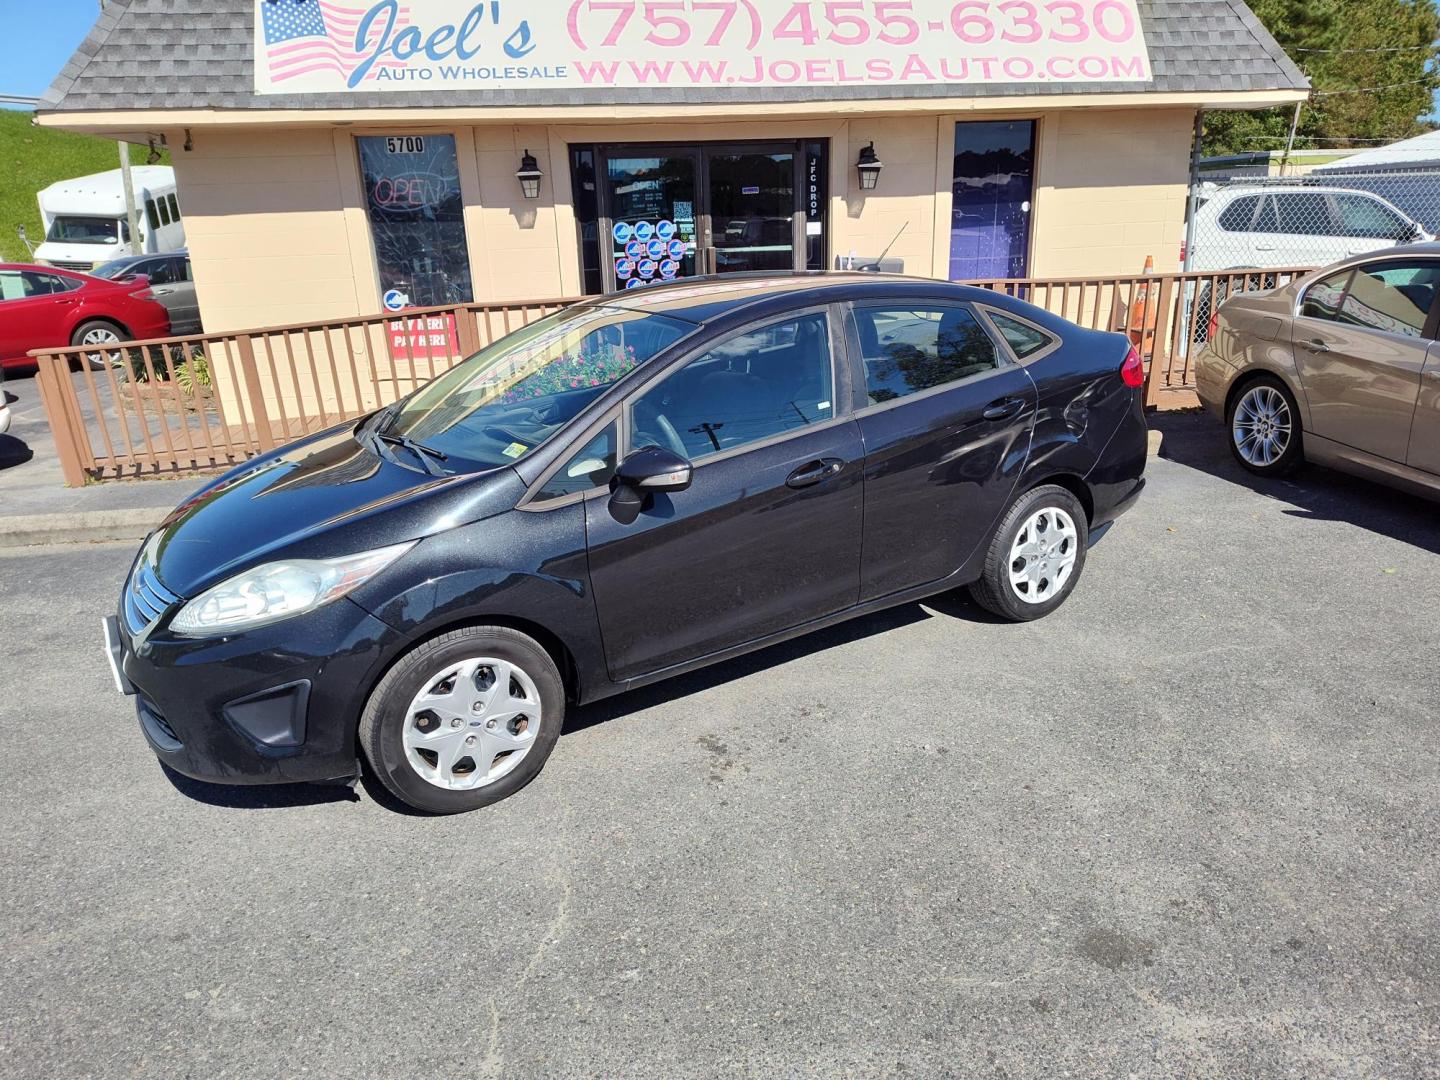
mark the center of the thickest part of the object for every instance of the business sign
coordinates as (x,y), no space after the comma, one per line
(320,46)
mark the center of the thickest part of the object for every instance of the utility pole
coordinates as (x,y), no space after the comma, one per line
(132,216)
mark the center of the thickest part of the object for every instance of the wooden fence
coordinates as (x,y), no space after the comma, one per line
(177,405)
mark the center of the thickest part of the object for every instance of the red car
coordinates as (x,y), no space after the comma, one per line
(41,306)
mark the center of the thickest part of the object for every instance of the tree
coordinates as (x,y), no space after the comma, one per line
(1381,96)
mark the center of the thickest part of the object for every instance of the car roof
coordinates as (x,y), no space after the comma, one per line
(142,257)
(701,299)
(1291,189)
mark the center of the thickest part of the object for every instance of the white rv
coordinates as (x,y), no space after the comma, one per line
(85,221)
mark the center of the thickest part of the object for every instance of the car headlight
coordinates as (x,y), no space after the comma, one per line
(278,590)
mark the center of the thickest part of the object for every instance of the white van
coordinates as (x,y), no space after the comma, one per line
(85,221)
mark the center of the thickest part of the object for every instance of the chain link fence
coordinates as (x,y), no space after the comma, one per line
(1258,223)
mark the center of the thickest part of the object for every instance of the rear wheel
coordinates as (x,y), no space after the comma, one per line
(1264,427)
(464,720)
(100,332)
(1035,557)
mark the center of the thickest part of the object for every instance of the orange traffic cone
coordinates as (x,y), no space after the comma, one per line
(1142,316)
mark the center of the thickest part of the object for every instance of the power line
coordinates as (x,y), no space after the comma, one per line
(1378,49)
(1372,89)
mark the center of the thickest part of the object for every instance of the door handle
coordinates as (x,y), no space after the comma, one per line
(162,292)
(1003,409)
(1315,345)
(813,472)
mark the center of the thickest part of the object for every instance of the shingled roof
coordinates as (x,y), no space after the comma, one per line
(182,54)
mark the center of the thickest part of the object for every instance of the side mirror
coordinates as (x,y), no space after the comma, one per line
(646,471)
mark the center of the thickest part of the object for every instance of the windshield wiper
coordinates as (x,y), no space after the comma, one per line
(427,455)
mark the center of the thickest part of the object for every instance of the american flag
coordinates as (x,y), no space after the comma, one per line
(302,36)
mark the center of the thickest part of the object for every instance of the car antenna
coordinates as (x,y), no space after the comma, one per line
(874,267)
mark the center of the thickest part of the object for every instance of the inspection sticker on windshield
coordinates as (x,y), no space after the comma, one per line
(515,449)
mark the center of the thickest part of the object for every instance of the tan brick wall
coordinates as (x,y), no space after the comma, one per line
(1110,190)
(278,233)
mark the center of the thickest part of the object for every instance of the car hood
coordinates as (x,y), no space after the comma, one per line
(325,496)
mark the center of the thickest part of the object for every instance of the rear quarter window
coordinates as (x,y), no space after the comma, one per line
(1024,340)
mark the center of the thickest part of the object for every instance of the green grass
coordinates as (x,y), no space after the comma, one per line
(32,158)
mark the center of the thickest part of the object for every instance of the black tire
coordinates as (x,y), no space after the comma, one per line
(994,591)
(1293,454)
(101,356)
(382,723)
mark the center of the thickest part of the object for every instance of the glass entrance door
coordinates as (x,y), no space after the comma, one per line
(671,212)
(753,210)
(993,188)
(650,214)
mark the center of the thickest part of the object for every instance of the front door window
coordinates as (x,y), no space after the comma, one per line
(752,386)
(990,209)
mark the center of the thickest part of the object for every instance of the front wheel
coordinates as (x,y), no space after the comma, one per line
(1035,557)
(1264,427)
(464,720)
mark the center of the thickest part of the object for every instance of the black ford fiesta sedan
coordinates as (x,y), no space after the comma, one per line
(634,487)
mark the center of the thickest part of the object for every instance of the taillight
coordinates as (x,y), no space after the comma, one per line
(1183,252)
(143,293)
(1212,326)
(1132,371)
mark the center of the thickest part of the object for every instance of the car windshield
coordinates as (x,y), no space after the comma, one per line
(86,230)
(506,400)
(116,269)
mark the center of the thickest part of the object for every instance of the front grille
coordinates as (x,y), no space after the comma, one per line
(83,266)
(145,598)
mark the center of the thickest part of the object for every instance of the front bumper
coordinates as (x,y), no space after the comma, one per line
(279,704)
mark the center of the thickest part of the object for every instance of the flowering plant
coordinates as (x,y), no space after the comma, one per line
(596,364)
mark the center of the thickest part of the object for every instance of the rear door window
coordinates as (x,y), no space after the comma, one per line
(910,348)
(1305,214)
(1393,297)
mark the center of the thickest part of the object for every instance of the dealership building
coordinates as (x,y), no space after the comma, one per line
(336,159)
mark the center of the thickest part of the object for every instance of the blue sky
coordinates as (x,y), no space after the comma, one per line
(39,37)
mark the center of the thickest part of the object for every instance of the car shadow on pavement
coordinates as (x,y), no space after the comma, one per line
(1197,440)
(14,452)
(955,605)
(258,796)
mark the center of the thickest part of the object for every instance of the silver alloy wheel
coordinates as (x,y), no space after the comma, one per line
(472,723)
(1042,558)
(101,335)
(1262,425)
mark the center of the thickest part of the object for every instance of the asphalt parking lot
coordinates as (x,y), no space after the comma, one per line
(1186,827)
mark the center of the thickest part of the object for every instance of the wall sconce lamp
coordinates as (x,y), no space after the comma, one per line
(529,176)
(869,166)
